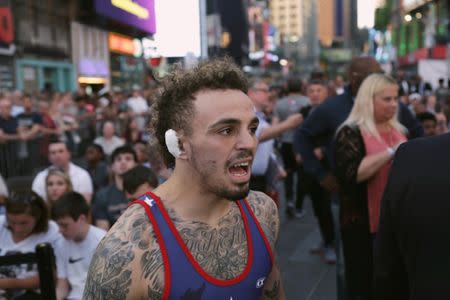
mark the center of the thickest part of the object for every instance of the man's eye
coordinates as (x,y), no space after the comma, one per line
(253,129)
(226,131)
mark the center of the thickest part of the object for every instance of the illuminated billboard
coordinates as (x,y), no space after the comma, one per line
(137,13)
(178,23)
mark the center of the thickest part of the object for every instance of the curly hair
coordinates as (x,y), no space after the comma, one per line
(174,106)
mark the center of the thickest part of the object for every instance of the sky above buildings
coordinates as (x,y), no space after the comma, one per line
(366,13)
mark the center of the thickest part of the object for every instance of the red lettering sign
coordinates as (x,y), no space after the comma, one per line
(6,25)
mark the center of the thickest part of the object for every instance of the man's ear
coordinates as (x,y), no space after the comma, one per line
(184,147)
(82,218)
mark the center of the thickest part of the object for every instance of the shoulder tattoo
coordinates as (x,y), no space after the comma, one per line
(266,212)
(127,246)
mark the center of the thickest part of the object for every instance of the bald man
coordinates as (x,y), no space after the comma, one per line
(318,130)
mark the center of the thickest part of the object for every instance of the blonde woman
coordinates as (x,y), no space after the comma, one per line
(57,183)
(364,147)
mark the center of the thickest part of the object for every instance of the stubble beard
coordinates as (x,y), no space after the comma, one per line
(205,171)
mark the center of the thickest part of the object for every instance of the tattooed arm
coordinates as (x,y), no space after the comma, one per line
(273,287)
(127,263)
(266,212)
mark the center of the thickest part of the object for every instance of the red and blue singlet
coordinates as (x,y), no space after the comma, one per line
(184,278)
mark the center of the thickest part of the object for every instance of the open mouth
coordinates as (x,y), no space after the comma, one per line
(239,169)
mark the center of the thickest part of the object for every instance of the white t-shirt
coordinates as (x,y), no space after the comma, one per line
(109,145)
(3,187)
(264,149)
(73,260)
(8,246)
(80,178)
(137,104)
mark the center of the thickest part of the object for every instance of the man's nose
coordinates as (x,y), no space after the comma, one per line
(247,140)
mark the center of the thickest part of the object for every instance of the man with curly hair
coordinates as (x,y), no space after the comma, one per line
(202,234)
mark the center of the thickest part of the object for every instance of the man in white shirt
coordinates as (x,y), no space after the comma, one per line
(258,92)
(139,107)
(109,141)
(75,251)
(59,156)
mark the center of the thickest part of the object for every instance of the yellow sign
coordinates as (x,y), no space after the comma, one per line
(91,80)
(131,7)
(225,39)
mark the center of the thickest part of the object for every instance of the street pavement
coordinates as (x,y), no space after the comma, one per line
(305,276)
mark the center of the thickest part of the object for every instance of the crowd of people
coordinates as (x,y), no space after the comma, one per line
(84,158)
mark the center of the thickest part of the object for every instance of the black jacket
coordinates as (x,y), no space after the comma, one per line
(412,253)
(320,126)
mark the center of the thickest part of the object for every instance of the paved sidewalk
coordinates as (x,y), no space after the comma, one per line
(305,276)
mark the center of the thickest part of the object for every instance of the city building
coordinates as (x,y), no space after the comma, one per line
(325,22)
(43,46)
(7,47)
(112,42)
(287,16)
(296,22)
(418,34)
(338,33)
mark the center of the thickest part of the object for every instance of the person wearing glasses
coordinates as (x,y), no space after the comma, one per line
(258,92)
(25,225)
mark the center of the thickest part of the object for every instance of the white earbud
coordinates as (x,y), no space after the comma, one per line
(172,143)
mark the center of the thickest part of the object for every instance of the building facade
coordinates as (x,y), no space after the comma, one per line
(7,47)
(43,54)
(418,34)
(112,41)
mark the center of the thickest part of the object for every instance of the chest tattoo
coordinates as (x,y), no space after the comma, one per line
(221,250)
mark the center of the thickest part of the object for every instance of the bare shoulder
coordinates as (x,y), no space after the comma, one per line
(266,212)
(120,266)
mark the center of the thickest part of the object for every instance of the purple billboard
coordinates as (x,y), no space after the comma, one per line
(137,13)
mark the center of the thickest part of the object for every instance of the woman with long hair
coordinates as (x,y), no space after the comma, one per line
(25,225)
(57,183)
(364,147)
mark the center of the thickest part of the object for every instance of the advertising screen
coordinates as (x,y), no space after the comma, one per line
(137,13)
(178,29)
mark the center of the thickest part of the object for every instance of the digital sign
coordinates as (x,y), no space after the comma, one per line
(178,40)
(124,44)
(137,13)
